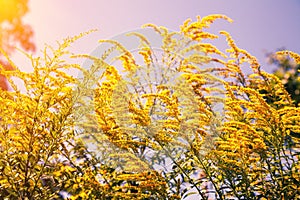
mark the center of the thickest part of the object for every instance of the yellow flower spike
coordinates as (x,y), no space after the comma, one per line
(234,49)
(195,31)
(146,53)
(294,55)
(128,62)
(199,36)
(144,40)
(185,24)
(207,20)
(149,102)
(155,27)
(140,116)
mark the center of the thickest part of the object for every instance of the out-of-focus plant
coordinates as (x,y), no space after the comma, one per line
(288,71)
(13,32)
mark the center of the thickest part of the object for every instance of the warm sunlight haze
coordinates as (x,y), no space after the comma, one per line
(166,100)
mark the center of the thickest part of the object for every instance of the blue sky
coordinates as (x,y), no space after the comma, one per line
(258,26)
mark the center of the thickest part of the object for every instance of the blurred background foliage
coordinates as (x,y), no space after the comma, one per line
(288,71)
(13,32)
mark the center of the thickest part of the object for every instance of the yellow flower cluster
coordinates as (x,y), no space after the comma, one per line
(241,132)
(195,31)
(294,55)
(258,116)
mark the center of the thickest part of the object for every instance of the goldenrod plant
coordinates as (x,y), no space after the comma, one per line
(178,120)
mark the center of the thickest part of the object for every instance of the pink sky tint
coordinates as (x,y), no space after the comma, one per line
(258,25)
